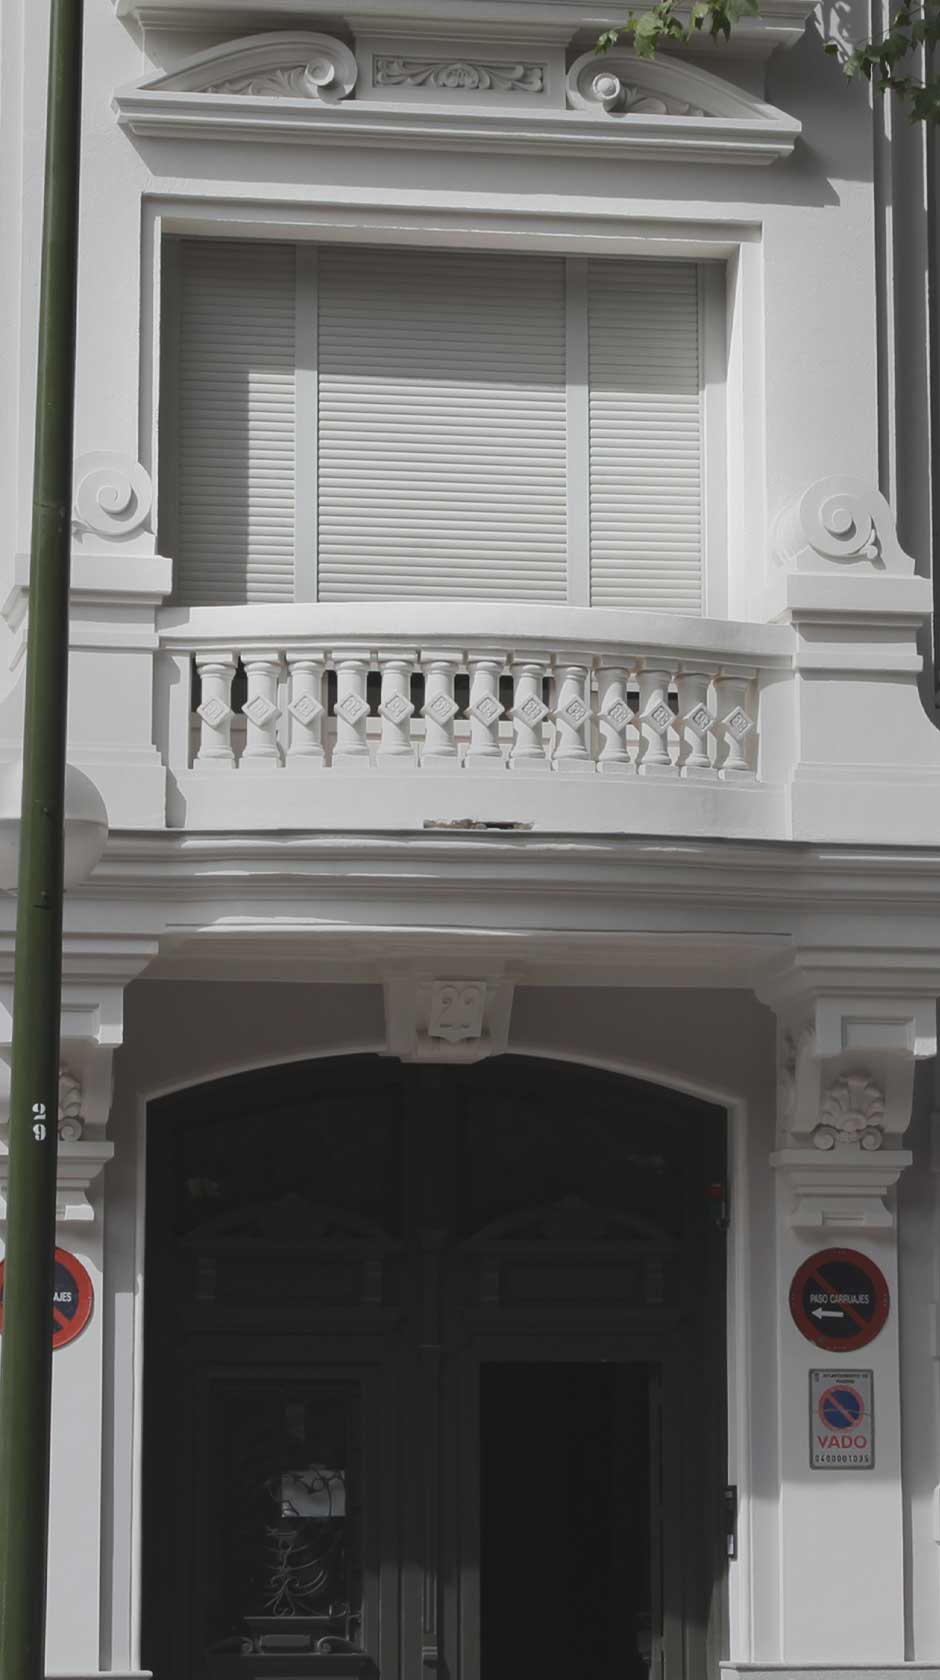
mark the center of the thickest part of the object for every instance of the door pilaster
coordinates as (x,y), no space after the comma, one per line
(847,1045)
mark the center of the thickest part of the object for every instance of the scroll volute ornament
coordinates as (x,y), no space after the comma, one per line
(844,523)
(113,496)
(284,64)
(623,84)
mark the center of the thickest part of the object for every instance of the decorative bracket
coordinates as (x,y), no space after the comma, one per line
(846,1074)
(92,1029)
(456,1021)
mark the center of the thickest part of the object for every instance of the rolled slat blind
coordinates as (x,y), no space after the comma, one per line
(646,435)
(235,447)
(435,425)
(442,455)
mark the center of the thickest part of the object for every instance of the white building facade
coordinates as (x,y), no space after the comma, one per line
(501,629)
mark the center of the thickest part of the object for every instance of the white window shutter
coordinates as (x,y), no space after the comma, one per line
(442,447)
(646,435)
(235,442)
(368,423)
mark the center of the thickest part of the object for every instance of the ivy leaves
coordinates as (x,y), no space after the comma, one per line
(649,30)
(885,61)
(889,61)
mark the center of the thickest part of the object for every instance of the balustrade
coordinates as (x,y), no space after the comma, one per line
(572,713)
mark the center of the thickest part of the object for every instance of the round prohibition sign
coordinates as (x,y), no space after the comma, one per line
(839,1299)
(72,1298)
(841,1407)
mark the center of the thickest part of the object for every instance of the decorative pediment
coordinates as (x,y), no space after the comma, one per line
(280,65)
(627,86)
(300,86)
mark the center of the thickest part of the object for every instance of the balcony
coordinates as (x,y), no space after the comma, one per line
(402,715)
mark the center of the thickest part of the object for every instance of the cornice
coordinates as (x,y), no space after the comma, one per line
(686,870)
(781,21)
(545,910)
(188,116)
(306,87)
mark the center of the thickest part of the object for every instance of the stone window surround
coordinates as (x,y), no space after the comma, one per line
(734,417)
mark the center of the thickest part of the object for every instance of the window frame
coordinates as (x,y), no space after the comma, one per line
(730,259)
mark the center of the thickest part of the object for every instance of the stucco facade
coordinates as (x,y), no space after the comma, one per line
(698,850)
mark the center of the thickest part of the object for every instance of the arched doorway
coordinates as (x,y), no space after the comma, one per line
(434,1376)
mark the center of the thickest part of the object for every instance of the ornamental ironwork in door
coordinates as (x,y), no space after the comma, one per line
(434,1373)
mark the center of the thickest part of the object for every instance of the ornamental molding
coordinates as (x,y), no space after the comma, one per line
(607,89)
(306,80)
(845,1086)
(295,87)
(780,21)
(841,525)
(457,75)
(852,1111)
(71,1123)
(626,86)
(444,1020)
(839,1192)
(289,64)
(112,497)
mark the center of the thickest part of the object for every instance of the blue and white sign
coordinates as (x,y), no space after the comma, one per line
(841,1420)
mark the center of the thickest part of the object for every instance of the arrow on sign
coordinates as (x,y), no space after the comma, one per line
(821,1312)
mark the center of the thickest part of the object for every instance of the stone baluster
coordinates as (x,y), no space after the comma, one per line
(655,719)
(696,721)
(214,711)
(440,749)
(351,751)
(305,709)
(485,711)
(735,724)
(572,717)
(395,709)
(529,711)
(260,711)
(615,716)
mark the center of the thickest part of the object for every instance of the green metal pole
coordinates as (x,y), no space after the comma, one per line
(26,1379)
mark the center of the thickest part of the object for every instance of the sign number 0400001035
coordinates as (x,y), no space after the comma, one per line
(841,1420)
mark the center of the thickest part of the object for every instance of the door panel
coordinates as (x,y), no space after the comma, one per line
(565,1505)
(418,1377)
(283,1547)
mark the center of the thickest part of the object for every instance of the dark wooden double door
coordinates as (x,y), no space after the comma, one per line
(434,1377)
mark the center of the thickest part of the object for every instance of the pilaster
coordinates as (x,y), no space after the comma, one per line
(848,1041)
(866,760)
(96,973)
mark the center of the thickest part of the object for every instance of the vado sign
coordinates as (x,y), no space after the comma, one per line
(72,1298)
(839,1299)
(841,1420)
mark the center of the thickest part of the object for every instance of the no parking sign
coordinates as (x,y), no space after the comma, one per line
(841,1420)
(72,1298)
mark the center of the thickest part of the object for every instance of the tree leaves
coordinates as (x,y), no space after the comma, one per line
(891,62)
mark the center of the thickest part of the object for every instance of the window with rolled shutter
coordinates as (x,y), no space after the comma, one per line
(352,423)
(235,422)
